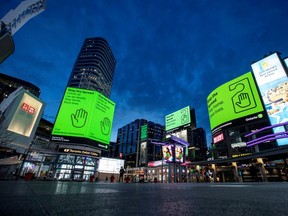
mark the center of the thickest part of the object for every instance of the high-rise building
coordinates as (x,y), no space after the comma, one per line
(94,67)
(139,151)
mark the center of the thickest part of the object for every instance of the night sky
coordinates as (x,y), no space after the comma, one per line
(170,54)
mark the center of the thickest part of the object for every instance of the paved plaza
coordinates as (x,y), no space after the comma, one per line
(85,198)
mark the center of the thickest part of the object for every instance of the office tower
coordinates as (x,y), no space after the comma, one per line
(129,142)
(94,67)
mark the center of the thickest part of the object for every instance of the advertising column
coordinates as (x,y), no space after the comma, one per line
(272,81)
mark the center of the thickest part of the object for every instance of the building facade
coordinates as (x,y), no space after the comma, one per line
(94,67)
(93,70)
(135,148)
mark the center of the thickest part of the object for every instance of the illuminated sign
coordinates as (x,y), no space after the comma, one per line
(179,154)
(286,62)
(180,134)
(78,151)
(235,99)
(109,165)
(272,80)
(85,114)
(238,145)
(143,132)
(156,163)
(24,119)
(167,153)
(143,153)
(218,138)
(178,118)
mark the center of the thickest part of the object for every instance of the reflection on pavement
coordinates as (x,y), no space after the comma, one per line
(68,188)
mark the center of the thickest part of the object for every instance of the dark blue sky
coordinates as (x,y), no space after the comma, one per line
(170,54)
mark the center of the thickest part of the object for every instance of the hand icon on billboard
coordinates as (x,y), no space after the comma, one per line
(79,118)
(105,126)
(244,100)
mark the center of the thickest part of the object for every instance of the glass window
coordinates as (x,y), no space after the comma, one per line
(66,159)
(90,161)
(80,160)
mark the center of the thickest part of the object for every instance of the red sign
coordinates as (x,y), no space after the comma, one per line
(28,108)
(218,138)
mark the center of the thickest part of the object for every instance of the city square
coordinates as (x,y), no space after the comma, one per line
(85,198)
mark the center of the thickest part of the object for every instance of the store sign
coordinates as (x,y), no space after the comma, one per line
(218,138)
(78,151)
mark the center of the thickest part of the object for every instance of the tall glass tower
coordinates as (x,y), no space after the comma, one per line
(94,67)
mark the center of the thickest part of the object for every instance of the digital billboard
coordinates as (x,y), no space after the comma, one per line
(179,154)
(84,114)
(143,153)
(178,118)
(272,81)
(182,134)
(233,100)
(286,62)
(167,152)
(144,132)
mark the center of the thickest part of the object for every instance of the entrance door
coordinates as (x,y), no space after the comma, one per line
(77,175)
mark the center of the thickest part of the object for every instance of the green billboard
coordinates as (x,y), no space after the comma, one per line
(233,100)
(84,113)
(178,118)
(143,132)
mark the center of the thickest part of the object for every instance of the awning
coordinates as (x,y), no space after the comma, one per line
(10,161)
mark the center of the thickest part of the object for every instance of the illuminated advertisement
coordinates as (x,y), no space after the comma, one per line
(143,132)
(180,134)
(25,116)
(143,152)
(179,154)
(218,138)
(272,80)
(84,114)
(79,151)
(286,62)
(109,165)
(233,100)
(167,152)
(178,118)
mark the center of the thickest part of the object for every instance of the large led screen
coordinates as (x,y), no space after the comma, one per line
(178,118)
(84,113)
(109,165)
(272,80)
(167,152)
(182,134)
(143,153)
(25,116)
(144,132)
(233,100)
(179,154)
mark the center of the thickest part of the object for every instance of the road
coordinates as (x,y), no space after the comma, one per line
(84,198)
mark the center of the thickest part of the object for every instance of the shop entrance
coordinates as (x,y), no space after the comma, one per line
(77,174)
